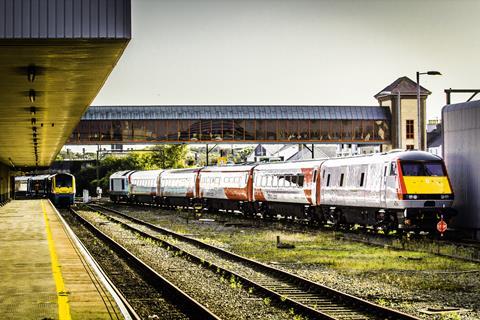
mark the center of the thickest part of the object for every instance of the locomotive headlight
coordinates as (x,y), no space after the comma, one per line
(445,196)
(415,197)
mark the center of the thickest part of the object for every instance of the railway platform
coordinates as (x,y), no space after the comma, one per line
(43,272)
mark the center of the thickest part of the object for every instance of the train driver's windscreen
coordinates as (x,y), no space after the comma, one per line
(62,181)
(423,169)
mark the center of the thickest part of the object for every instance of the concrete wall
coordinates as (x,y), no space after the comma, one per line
(4,182)
(461,132)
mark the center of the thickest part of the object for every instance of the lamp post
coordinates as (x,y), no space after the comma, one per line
(419,120)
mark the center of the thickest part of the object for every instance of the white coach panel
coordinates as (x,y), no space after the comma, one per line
(461,134)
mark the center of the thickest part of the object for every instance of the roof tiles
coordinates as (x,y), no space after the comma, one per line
(237,112)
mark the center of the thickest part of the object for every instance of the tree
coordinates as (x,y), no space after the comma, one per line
(160,157)
(168,156)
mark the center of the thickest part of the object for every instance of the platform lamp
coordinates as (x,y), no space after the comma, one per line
(399,123)
(420,129)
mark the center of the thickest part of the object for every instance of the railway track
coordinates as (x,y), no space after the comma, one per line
(466,250)
(307,297)
(154,288)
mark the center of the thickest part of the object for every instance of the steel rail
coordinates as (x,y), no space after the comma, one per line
(351,235)
(188,305)
(309,297)
(123,303)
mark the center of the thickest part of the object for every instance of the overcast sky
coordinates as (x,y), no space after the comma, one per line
(322,52)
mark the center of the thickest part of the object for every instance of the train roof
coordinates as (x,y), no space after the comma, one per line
(58,173)
(290,165)
(146,174)
(22,178)
(182,170)
(382,157)
(229,168)
(40,177)
(417,156)
(121,174)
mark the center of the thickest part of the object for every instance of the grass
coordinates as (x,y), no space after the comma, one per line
(324,250)
(407,270)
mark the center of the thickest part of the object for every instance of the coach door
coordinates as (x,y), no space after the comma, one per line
(383,185)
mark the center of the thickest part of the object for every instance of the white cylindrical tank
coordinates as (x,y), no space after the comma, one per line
(461,142)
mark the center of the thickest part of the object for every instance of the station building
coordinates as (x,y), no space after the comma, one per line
(54,58)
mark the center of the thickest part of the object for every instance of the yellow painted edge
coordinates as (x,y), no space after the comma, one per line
(62,297)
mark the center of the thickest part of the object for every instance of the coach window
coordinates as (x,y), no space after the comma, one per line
(275,181)
(314,176)
(300,181)
(269,181)
(294,181)
(281,181)
(362,179)
(288,181)
(323,174)
(393,169)
(328,179)
(341,180)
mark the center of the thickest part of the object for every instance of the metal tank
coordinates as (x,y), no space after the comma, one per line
(461,136)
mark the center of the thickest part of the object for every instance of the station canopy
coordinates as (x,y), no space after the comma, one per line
(54,59)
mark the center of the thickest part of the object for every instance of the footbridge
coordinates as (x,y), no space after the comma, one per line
(233,124)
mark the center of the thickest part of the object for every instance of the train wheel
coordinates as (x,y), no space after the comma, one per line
(336,218)
(388,224)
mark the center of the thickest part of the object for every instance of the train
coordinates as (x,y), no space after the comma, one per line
(58,187)
(397,190)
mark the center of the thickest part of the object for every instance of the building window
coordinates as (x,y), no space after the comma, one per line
(410,129)
(410,146)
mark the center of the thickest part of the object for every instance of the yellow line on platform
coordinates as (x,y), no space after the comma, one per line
(62,295)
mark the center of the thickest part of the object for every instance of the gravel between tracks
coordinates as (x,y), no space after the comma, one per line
(379,287)
(147,302)
(217,294)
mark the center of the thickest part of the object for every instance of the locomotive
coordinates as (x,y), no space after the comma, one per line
(398,190)
(62,189)
(59,187)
